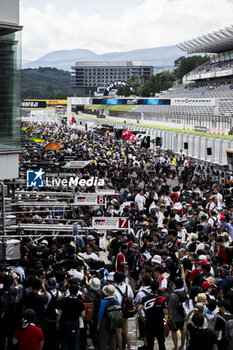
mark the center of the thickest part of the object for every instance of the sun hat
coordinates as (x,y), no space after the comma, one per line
(193,237)
(156,259)
(203,259)
(94,283)
(210,279)
(146,223)
(108,290)
(51,283)
(90,237)
(45,242)
(134,247)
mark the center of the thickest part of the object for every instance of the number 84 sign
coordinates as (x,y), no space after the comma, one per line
(110,223)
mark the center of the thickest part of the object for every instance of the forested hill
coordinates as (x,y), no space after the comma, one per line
(44,83)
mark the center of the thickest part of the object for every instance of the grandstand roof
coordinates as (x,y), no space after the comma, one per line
(215,42)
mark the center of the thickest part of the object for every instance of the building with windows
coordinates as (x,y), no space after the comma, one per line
(87,77)
(10,65)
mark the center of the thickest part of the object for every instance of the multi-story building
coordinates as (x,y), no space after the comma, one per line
(86,77)
(10,65)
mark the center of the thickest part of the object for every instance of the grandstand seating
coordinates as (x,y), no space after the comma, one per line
(210,91)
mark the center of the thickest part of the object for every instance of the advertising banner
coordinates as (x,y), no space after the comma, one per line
(200,128)
(33,104)
(107,192)
(77,164)
(225,72)
(193,77)
(110,223)
(193,102)
(89,199)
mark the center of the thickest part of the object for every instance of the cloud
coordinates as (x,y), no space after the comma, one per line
(151,24)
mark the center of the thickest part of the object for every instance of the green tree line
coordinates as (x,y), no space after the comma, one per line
(162,80)
(52,83)
(44,83)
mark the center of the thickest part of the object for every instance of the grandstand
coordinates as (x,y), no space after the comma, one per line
(212,80)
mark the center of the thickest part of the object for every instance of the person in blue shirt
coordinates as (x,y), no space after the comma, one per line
(107,338)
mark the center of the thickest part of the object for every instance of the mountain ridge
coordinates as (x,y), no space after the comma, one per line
(162,56)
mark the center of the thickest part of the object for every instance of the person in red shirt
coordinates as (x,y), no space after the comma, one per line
(220,252)
(29,336)
(121,263)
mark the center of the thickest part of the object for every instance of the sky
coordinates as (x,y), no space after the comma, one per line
(109,26)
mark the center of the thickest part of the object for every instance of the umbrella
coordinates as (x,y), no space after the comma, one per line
(36,139)
(53,146)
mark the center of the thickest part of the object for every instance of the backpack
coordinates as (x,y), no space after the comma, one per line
(211,321)
(197,277)
(182,299)
(114,316)
(50,312)
(88,303)
(6,302)
(127,304)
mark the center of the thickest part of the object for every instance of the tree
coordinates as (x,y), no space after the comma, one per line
(184,65)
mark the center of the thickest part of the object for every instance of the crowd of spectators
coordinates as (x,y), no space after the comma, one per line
(173,264)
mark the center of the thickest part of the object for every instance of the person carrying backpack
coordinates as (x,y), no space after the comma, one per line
(95,295)
(176,312)
(224,326)
(154,307)
(51,334)
(110,318)
(124,295)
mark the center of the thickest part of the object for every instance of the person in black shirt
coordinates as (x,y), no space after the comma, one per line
(201,338)
(221,320)
(70,309)
(35,301)
(153,307)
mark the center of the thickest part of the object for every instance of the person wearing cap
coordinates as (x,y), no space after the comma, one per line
(135,264)
(107,338)
(122,290)
(207,289)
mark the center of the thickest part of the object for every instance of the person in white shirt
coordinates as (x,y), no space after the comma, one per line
(89,254)
(140,201)
(160,214)
(143,292)
(122,290)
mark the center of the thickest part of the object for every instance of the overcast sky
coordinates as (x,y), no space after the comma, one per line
(122,25)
